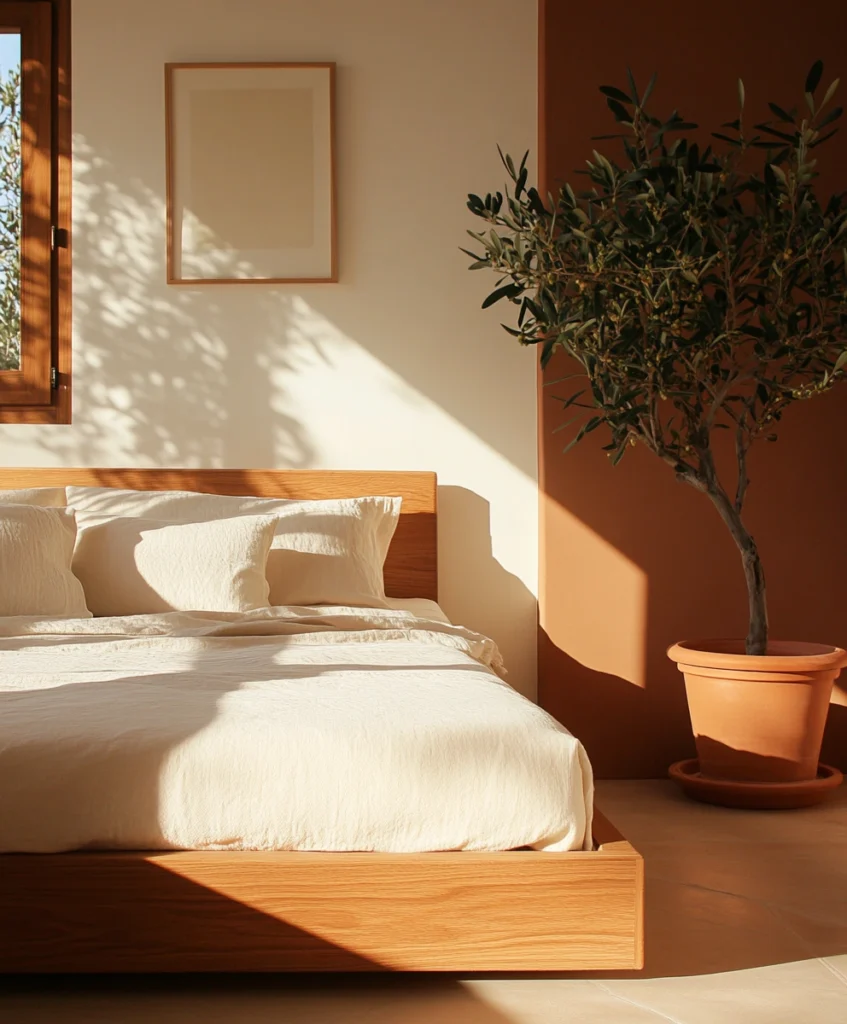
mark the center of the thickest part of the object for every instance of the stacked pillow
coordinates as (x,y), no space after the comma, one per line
(44,497)
(36,551)
(150,551)
(136,566)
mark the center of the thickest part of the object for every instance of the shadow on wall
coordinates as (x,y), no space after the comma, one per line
(835,736)
(151,384)
(487,598)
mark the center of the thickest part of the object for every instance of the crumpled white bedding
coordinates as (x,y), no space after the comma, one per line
(282,729)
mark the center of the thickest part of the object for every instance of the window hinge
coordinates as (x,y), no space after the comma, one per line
(58,238)
(54,379)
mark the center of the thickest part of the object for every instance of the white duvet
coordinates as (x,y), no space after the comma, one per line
(283,729)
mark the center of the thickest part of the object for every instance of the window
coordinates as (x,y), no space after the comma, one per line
(34,212)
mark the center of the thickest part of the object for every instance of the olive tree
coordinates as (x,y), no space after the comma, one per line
(697,287)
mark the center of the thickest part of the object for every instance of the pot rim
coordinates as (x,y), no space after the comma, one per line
(787,655)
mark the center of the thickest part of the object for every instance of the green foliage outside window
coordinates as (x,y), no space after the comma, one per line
(10,221)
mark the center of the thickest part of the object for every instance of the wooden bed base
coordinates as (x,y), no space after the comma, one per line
(218,911)
(239,911)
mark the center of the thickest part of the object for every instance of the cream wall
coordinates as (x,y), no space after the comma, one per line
(395,367)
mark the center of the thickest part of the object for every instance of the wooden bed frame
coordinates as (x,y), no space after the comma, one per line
(220,911)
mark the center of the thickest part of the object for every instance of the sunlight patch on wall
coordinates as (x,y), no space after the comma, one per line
(600,597)
(362,413)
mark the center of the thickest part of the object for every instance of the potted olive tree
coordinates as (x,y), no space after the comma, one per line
(697,289)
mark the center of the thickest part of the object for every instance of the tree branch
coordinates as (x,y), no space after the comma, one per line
(757,636)
(684,471)
(742,445)
(720,396)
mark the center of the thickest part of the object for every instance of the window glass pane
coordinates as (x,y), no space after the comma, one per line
(10,200)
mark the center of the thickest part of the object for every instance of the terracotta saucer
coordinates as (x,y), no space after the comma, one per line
(775,796)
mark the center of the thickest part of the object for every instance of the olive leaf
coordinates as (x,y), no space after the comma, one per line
(814,77)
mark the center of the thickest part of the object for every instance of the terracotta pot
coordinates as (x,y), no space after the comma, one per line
(758,719)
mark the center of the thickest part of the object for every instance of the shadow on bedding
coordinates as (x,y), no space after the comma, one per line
(113,770)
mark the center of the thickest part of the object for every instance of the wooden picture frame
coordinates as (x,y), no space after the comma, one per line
(250,190)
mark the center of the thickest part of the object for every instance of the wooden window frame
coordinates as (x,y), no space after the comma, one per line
(56,406)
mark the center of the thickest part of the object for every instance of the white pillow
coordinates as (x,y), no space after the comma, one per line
(332,552)
(324,552)
(36,547)
(133,566)
(46,497)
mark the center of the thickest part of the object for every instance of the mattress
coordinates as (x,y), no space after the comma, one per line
(284,729)
(421,607)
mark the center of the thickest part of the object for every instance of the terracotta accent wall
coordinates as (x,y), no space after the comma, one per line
(632,561)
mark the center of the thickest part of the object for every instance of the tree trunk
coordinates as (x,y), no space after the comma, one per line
(757,635)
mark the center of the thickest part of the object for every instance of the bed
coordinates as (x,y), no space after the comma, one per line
(235,909)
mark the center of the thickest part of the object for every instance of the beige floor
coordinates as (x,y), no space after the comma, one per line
(746,922)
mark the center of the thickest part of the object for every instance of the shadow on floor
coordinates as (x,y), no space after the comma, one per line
(235,999)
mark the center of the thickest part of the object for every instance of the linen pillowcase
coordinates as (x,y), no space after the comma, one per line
(324,552)
(46,497)
(332,552)
(135,566)
(36,548)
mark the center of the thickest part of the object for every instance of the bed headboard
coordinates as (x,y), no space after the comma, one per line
(411,569)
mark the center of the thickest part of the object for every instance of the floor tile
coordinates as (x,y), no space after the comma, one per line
(691,931)
(797,993)
(560,1002)
(805,878)
(656,810)
(838,964)
(823,939)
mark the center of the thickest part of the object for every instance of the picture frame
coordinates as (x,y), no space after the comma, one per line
(251,184)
